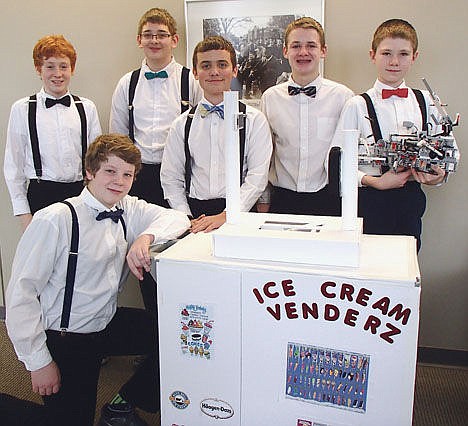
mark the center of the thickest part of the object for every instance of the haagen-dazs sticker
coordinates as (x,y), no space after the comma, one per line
(179,400)
(196,326)
(216,408)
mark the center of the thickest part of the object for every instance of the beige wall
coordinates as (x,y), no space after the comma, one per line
(103,32)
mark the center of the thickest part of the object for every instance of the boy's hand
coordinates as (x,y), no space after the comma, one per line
(389,180)
(25,220)
(208,223)
(429,178)
(138,257)
(46,380)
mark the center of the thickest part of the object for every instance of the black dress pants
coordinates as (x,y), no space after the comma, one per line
(78,356)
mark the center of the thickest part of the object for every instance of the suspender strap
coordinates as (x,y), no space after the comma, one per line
(32,110)
(422,107)
(188,164)
(71,269)
(124,227)
(71,266)
(131,95)
(84,131)
(184,90)
(184,97)
(32,123)
(373,117)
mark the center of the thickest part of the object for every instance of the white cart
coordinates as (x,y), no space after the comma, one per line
(256,343)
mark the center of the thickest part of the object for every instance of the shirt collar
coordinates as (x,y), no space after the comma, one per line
(317,82)
(92,202)
(378,86)
(169,68)
(43,95)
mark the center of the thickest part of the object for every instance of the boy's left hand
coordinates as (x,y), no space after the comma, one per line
(138,257)
(429,178)
(208,223)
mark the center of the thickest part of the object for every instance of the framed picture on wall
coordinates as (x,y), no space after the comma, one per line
(256,29)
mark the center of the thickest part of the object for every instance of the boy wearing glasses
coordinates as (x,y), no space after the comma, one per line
(48,134)
(146,102)
(303,113)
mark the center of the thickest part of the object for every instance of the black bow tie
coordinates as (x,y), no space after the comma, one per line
(49,102)
(115,215)
(308,91)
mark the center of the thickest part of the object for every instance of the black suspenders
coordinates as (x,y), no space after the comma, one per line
(376,132)
(184,97)
(71,266)
(188,164)
(71,269)
(32,123)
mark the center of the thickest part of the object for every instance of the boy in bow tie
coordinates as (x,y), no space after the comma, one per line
(192,171)
(145,103)
(303,113)
(391,203)
(48,134)
(61,339)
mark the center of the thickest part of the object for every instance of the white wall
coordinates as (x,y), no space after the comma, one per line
(103,32)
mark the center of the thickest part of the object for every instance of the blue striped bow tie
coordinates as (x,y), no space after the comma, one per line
(115,215)
(205,109)
(160,74)
(308,91)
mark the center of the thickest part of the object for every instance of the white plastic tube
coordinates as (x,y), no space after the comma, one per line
(231,156)
(349,179)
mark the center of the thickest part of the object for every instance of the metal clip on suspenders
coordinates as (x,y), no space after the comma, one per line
(184,97)
(188,125)
(71,267)
(32,110)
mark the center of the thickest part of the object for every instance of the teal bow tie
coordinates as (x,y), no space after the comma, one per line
(205,109)
(150,75)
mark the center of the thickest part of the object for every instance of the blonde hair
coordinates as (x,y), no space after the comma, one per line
(395,28)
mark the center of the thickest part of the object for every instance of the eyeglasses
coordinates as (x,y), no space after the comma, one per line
(157,36)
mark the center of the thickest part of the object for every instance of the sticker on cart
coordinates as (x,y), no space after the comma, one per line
(196,331)
(216,408)
(327,376)
(179,400)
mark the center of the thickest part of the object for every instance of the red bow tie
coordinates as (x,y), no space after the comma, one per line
(402,93)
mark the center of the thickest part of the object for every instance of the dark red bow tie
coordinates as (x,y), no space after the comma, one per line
(402,93)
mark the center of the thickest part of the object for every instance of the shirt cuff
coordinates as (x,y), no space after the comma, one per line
(38,360)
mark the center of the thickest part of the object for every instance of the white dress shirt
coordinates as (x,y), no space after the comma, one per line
(302,129)
(391,113)
(156,104)
(206,143)
(59,135)
(36,289)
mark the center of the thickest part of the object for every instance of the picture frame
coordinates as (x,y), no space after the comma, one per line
(256,30)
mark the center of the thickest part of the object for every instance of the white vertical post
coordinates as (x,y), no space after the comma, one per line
(349,179)
(231,156)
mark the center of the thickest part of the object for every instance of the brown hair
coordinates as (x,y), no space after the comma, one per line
(307,23)
(53,45)
(214,43)
(157,15)
(395,28)
(111,144)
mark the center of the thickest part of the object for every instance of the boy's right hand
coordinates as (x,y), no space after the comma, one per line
(389,180)
(46,380)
